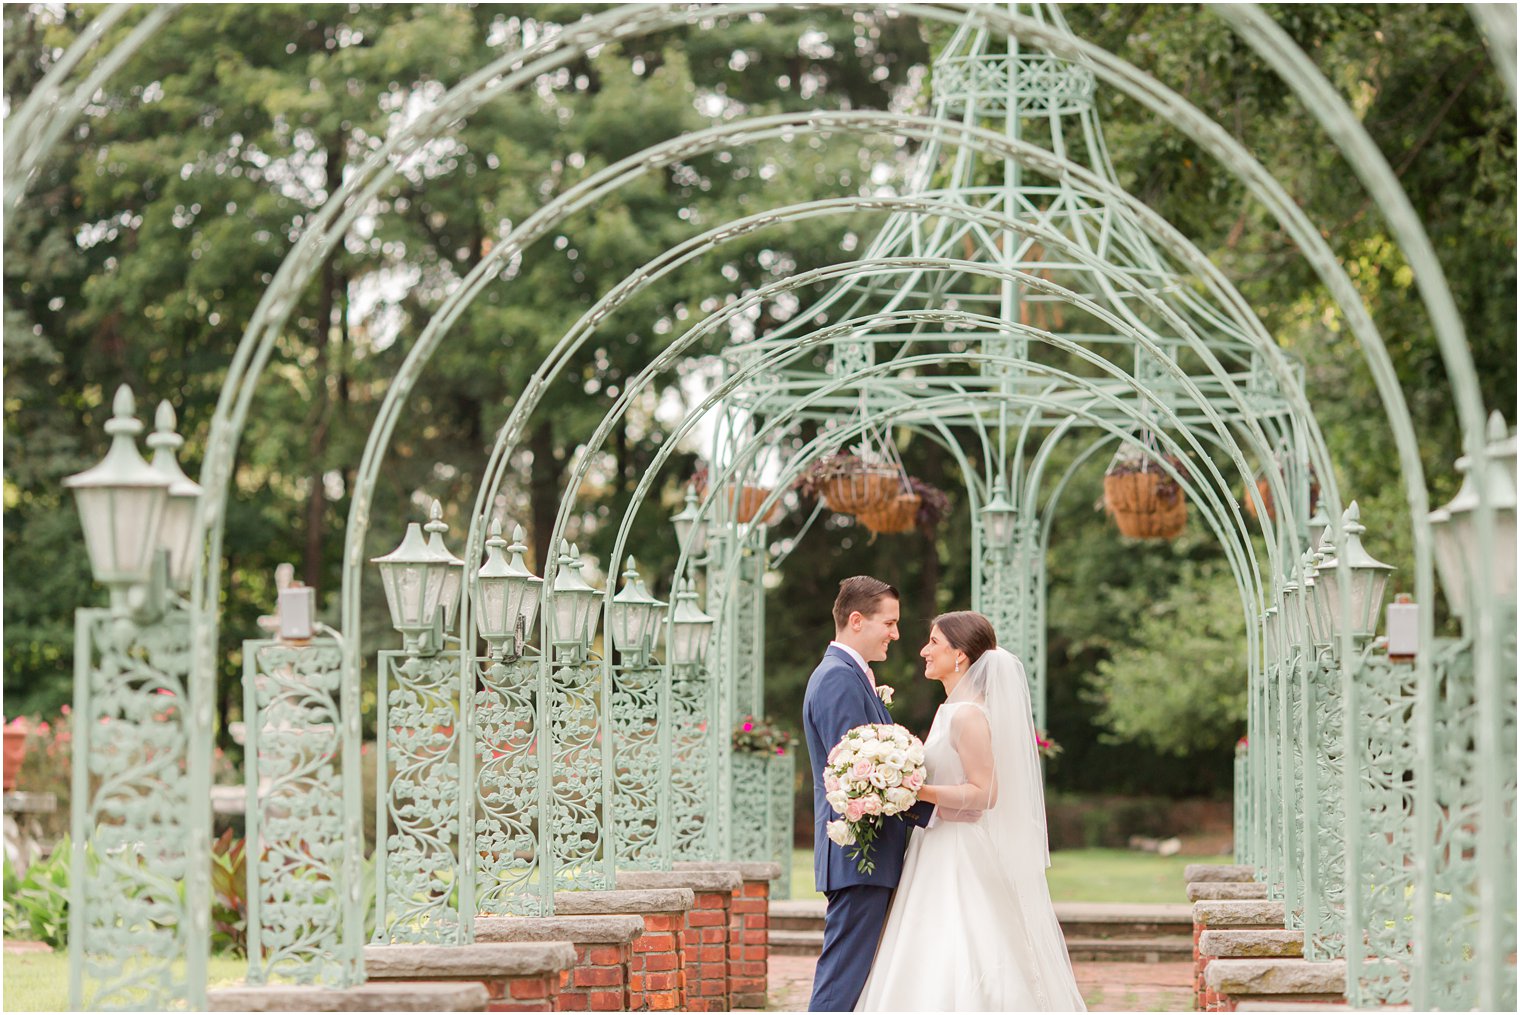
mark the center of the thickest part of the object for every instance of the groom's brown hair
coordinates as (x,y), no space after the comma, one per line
(859,594)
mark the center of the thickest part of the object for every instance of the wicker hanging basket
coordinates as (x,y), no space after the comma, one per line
(900,514)
(1265,489)
(1145,502)
(860,490)
(746,504)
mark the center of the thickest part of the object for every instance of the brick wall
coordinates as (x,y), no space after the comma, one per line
(749,945)
(657,966)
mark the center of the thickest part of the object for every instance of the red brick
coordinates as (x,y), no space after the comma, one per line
(607,1000)
(661,961)
(572,1000)
(756,952)
(750,906)
(706,918)
(757,889)
(712,988)
(654,943)
(714,936)
(660,981)
(524,989)
(662,1001)
(604,955)
(598,976)
(519,1006)
(713,900)
(661,921)
(758,921)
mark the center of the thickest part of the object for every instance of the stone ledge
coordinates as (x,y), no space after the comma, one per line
(1251,944)
(697,881)
(622,902)
(1218,872)
(403,996)
(1297,977)
(1198,891)
(749,870)
(1241,913)
(436,962)
(1340,1006)
(575,929)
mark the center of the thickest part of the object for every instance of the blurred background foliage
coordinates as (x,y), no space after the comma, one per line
(148,239)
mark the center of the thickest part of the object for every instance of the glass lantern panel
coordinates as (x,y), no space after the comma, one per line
(492,613)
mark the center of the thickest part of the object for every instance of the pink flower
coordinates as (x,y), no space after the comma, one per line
(854,810)
(862,769)
(830,782)
(914,779)
(870,805)
(748,726)
(781,750)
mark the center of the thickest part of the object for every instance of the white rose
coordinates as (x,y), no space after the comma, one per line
(894,777)
(898,759)
(879,778)
(867,733)
(899,799)
(838,799)
(839,832)
(915,754)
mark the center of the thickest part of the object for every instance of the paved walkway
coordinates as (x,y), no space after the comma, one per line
(1106,986)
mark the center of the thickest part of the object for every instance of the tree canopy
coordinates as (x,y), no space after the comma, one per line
(143,247)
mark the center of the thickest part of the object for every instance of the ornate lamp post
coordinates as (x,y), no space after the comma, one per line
(574,620)
(453,578)
(508,594)
(635,619)
(998,518)
(176,534)
(1365,577)
(1319,524)
(122,502)
(690,629)
(691,527)
(1455,528)
(134,738)
(415,577)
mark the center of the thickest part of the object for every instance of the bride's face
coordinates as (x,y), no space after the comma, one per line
(939,658)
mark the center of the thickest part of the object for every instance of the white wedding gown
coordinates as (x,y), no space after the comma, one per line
(964,933)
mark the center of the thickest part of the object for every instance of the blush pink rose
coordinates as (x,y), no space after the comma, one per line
(870,805)
(862,769)
(830,782)
(855,810)
(914,779)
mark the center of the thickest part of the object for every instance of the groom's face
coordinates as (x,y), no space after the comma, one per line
(879,630)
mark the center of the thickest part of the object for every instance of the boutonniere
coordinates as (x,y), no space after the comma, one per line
(885,692)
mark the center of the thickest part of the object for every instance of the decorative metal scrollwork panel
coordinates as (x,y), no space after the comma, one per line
(783,783)
(418,866)
(296,814)
(638,779)
(508,814)
(1384,757)
(577,837)
(1324,893)
(749,829)
(128,922)
(693,795)
(1297,804)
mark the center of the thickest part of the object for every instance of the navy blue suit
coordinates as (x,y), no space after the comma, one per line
(839,697)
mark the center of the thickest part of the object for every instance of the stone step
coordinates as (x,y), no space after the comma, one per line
(1252,944)
(796,942)
(1100,920)
(1130,949)
(413,996)
(1209,891)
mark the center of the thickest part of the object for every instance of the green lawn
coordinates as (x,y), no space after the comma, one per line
(1077,875)
(39,981)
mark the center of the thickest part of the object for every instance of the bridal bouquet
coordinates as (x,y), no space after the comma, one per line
(874,772)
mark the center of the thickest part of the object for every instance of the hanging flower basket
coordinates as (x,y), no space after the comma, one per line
(1145,502)
(1265,489)
(900,514)
(747,503)
(849,484)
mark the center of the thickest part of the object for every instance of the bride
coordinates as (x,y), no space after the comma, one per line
(972,927)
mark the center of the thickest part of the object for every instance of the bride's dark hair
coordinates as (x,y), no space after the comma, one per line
(968,631)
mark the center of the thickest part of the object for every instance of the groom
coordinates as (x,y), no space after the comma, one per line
(841,694)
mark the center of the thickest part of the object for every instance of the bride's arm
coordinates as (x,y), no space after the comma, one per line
(972,739)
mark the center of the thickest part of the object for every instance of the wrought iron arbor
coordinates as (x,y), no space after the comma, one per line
(1015,293)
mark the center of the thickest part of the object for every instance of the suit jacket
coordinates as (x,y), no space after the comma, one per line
(839,697)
